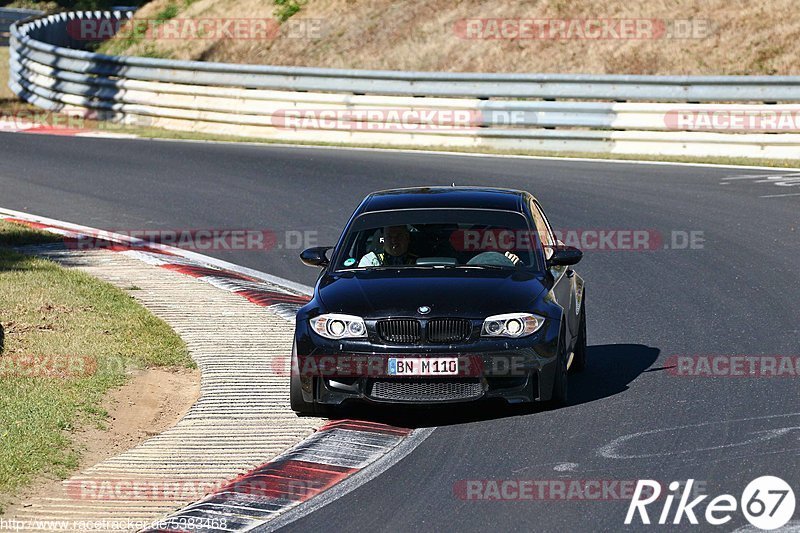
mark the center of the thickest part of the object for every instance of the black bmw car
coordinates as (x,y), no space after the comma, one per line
(441,294)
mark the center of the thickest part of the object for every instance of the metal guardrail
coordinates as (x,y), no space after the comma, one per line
(8,17)
(49,69)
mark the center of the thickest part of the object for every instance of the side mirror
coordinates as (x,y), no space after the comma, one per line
(564,256)
(315,257)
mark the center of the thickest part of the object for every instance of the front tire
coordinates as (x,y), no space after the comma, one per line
(296,400)
(579,359)
(561,380)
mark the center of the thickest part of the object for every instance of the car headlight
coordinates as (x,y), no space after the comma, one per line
(336,326)
(511,325)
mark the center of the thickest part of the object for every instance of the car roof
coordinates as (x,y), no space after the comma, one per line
(444,197)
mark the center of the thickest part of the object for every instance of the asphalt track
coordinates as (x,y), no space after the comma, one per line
(630,417)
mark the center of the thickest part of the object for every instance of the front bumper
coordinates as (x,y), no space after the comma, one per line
(517,370)
(424,390)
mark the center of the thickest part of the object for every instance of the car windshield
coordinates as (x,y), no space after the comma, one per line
(439,238)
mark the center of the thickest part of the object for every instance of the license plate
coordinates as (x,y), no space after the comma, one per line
(417,366)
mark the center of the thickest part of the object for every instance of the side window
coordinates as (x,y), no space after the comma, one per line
(543,229)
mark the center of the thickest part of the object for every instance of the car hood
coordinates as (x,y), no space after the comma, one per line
(469,293)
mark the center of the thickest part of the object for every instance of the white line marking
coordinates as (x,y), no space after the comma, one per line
(219,263)
(475,154)
(755,176)
(780,195)
(565,467)
(781,180)
(610,450)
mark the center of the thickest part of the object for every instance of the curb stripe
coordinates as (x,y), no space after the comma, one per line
(323,460)
(66,132)
(363,425)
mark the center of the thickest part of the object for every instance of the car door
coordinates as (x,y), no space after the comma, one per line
(563,276)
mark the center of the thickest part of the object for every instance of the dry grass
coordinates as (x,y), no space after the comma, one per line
(5,92)
(749,37)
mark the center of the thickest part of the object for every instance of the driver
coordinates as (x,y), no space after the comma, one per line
(395,249)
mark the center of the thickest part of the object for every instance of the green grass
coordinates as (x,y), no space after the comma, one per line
(12,234)
(170,11)
(135,32)
(89,335)
(286,9)
(152,51)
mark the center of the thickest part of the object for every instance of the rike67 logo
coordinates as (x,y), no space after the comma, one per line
(767,502)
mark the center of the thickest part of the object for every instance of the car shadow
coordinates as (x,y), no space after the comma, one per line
(610,369)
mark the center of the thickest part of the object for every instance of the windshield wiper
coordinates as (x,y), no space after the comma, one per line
(492,267)
(404,267)
(386,267)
